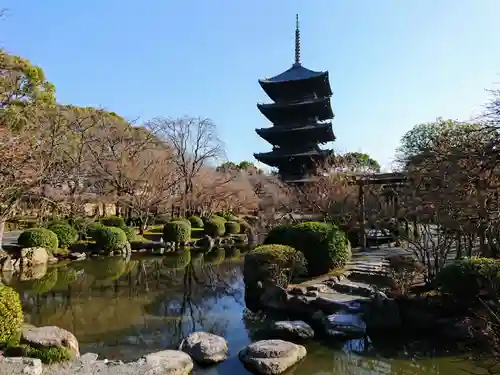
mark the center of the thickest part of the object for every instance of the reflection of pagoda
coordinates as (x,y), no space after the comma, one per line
(299,115)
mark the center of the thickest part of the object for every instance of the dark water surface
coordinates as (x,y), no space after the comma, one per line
(125,309)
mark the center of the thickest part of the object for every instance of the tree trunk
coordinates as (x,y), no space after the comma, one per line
(2,230)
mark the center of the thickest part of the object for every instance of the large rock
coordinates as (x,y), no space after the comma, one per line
(50,336)
(271,357)
(345,325)
(166,362)
(274,297)
(382,314)
(20,366)
(292,330)
(205,348)
(32,256)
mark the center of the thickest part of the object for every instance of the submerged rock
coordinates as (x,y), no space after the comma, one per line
(205,348)
(292,330)
(272,357)
(50,336)
(344,325)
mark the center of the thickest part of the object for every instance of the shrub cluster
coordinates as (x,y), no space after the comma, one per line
(177,231)
(130,233)
(324,245)
(277,264)
(113,221)
(38,237)
(11,316)
(66,234)
(469,278)
(93,228)
(232,227)
(215,227)
(196,221)
(110,238)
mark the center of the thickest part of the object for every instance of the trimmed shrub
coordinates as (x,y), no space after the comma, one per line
(81,224)
(232,227)
(38,237)
(277,264)
(196,222)
(66,234)
(130,233)
(110,238)
(469,278)
(215,227)
(324,246)
(93,228)
(113,221)
(177,231)
(11,316)
(218,217)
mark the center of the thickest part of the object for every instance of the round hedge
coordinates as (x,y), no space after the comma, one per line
(232,227)
(66,234)
(130,233)
(38,237)
(218,217)
(113,221)
(11,315)
(196,221)
(215,227)
(93,228)
(324,246)
(177,231)
(110,238)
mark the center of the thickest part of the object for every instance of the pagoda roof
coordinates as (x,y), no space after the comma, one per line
(296,81)
(275,158)
(317,132)
(320,108)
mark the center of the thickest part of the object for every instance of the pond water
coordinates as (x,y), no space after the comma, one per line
(124,309)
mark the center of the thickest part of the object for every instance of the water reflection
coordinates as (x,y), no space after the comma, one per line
(123,309)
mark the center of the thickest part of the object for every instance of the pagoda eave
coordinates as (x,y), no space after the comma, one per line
(321,133)
(275,112)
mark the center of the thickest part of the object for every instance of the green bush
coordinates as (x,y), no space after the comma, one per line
(196,222)
(66,234)
(232,227)
(93,228)
(81,224)
(324,246)
(130,233)
(215,227)
(38,237)
(177,231)
(110,238)
(113,221)
(469,278)
(218,217)
(277,264)
(57,222)
(11,315)
(47,355)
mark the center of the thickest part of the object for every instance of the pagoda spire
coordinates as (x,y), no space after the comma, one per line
(297,40)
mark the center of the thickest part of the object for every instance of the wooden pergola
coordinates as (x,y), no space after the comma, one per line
(362,180)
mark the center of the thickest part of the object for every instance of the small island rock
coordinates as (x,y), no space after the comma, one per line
(205,348)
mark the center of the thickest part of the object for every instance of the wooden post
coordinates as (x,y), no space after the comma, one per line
(361,204)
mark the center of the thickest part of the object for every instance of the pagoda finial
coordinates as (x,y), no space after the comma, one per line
(297,40)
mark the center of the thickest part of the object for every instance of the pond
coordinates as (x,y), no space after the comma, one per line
(124,309)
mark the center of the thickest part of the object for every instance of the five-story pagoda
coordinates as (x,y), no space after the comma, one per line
(300,116)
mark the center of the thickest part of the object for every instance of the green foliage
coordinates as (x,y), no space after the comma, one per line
(219,217)
(214,256)
(110,238)
(232,227)
(93,228)
(277,264)
(11,315)
(81,224)
(215,227)
(66,234)
(324,246)
(57,222)
(359,162)
(48,355)
(130,233)
(196,222)
(469,278)
(113,221)
(177,231)
(38,237)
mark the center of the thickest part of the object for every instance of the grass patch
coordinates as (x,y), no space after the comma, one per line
(48,355)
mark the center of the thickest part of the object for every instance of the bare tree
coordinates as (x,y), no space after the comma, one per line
(194,144)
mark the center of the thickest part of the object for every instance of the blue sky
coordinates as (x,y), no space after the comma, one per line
(392,63)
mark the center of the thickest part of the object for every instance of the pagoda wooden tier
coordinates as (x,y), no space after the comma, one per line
(299,113)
